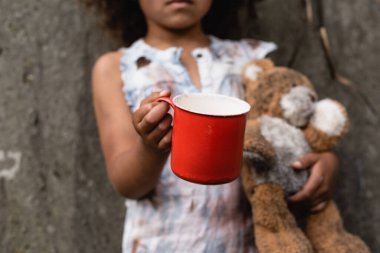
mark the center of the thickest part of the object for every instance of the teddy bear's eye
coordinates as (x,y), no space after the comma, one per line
(294,85)
(312,98)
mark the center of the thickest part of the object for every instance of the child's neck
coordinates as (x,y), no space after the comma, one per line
(187,39)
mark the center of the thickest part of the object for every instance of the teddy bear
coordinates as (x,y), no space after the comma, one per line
(286,122)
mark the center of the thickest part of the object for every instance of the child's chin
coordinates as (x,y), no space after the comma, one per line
(181,22)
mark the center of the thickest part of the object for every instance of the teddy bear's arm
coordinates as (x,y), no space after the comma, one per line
(259,155)
(258,152)
(327,126)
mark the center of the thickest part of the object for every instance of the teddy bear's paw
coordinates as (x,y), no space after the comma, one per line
(327,234)
(346,243)
(290,241)
(330,117)
(276,230)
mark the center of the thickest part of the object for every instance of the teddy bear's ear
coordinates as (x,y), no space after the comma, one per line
(253,68)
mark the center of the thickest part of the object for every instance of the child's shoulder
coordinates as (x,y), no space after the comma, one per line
(108,60)
(107,67)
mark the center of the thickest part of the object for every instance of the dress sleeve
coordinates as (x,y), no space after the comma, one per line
(257,49)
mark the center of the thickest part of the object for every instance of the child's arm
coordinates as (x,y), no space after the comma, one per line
(319,188)
(134,162)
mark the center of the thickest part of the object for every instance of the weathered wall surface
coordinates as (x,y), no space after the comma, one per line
(54,195)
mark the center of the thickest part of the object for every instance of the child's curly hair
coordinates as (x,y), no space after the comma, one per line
(126,22)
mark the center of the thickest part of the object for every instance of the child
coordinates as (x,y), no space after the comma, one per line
(174,52)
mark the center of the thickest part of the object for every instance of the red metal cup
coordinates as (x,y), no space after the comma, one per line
(208,136)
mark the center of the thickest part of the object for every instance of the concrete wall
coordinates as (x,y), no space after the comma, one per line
(54,195)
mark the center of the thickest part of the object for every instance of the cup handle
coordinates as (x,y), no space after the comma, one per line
(167,100)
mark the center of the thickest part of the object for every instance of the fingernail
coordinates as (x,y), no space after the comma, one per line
(164,92)
(297,164)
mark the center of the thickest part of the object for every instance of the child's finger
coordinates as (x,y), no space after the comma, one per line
(319,199)
(310,188)
(158,112)
(147,104)
(153,117)
(152,97)
(166,141)
(160,130)
(141,112)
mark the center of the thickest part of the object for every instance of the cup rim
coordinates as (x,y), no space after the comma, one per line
(244,105)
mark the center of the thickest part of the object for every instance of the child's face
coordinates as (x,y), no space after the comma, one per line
(174,14)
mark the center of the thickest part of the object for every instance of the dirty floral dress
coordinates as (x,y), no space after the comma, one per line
(181,216)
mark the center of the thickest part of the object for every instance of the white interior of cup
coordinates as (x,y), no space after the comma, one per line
(212,104)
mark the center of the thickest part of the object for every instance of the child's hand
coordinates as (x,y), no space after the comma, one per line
(320,186)
(153,122)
